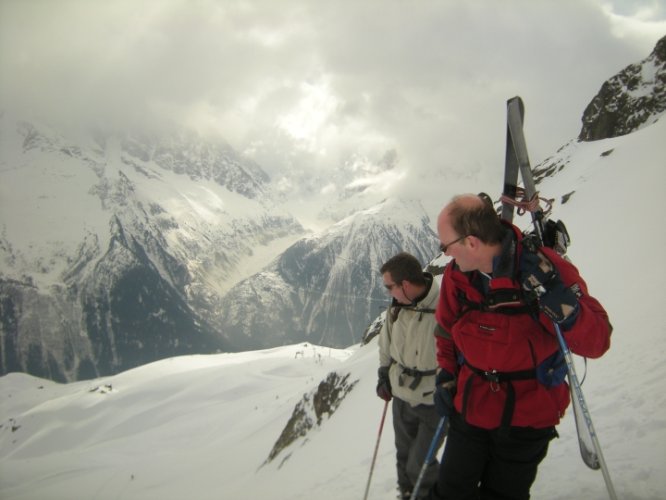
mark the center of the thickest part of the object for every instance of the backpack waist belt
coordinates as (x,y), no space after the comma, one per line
(416,374)
(495,378)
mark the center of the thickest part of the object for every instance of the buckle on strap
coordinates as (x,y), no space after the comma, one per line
(417,375)
(494,379)
(492,376)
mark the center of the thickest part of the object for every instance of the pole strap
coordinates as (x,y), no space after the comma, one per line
(526,204)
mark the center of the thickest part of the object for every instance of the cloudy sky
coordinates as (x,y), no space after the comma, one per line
(386,89)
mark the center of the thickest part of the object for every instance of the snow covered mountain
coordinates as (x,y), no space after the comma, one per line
(114,250)
(633,98)
(282,423)
(117,250)
(219,426)
(206,426)
(120,249)
(326,288)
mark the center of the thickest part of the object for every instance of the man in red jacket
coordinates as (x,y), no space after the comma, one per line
(501,379)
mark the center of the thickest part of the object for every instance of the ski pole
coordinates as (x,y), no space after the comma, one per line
(374,455)
(428,458)
(578,391)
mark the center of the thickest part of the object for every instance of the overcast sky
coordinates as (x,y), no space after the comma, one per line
(307,84)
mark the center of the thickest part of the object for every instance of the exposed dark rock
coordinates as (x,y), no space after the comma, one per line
(633,98)
(311,410)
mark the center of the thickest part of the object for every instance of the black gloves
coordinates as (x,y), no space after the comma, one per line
(384,384)
(538,275)
(445,389)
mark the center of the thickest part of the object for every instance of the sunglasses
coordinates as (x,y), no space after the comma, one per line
(445,246)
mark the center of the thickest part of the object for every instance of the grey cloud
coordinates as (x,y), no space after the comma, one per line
(427,79)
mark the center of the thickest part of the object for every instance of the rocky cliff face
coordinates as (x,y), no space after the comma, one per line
(186,153)
(110,246)
(630,100)
(633,98)
(311,410)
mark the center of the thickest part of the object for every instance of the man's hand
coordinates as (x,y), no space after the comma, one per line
(384,384)
(538,275)
(445,387)
(536,272)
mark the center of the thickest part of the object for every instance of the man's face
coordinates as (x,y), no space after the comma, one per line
(395,290)
(454,245)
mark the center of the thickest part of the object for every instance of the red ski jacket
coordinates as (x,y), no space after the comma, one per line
(492,341)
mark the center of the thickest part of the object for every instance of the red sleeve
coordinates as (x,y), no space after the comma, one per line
(445,313)
(590,334)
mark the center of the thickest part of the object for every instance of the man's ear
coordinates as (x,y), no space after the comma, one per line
(473,242)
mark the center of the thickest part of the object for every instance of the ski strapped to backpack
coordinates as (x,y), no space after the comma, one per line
(555,236)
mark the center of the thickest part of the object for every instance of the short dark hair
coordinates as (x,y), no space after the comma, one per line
(404,267)
(471,218)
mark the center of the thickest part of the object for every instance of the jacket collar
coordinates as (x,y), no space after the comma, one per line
(427,300)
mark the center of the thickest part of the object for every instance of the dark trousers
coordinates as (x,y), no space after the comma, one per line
(490,464)
(414,428)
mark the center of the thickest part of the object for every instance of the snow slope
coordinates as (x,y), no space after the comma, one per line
(202,426)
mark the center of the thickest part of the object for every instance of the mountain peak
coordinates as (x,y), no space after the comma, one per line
(632,99)
(327,287)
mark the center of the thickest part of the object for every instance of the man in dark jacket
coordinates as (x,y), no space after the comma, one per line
(501,379)
(407,367)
